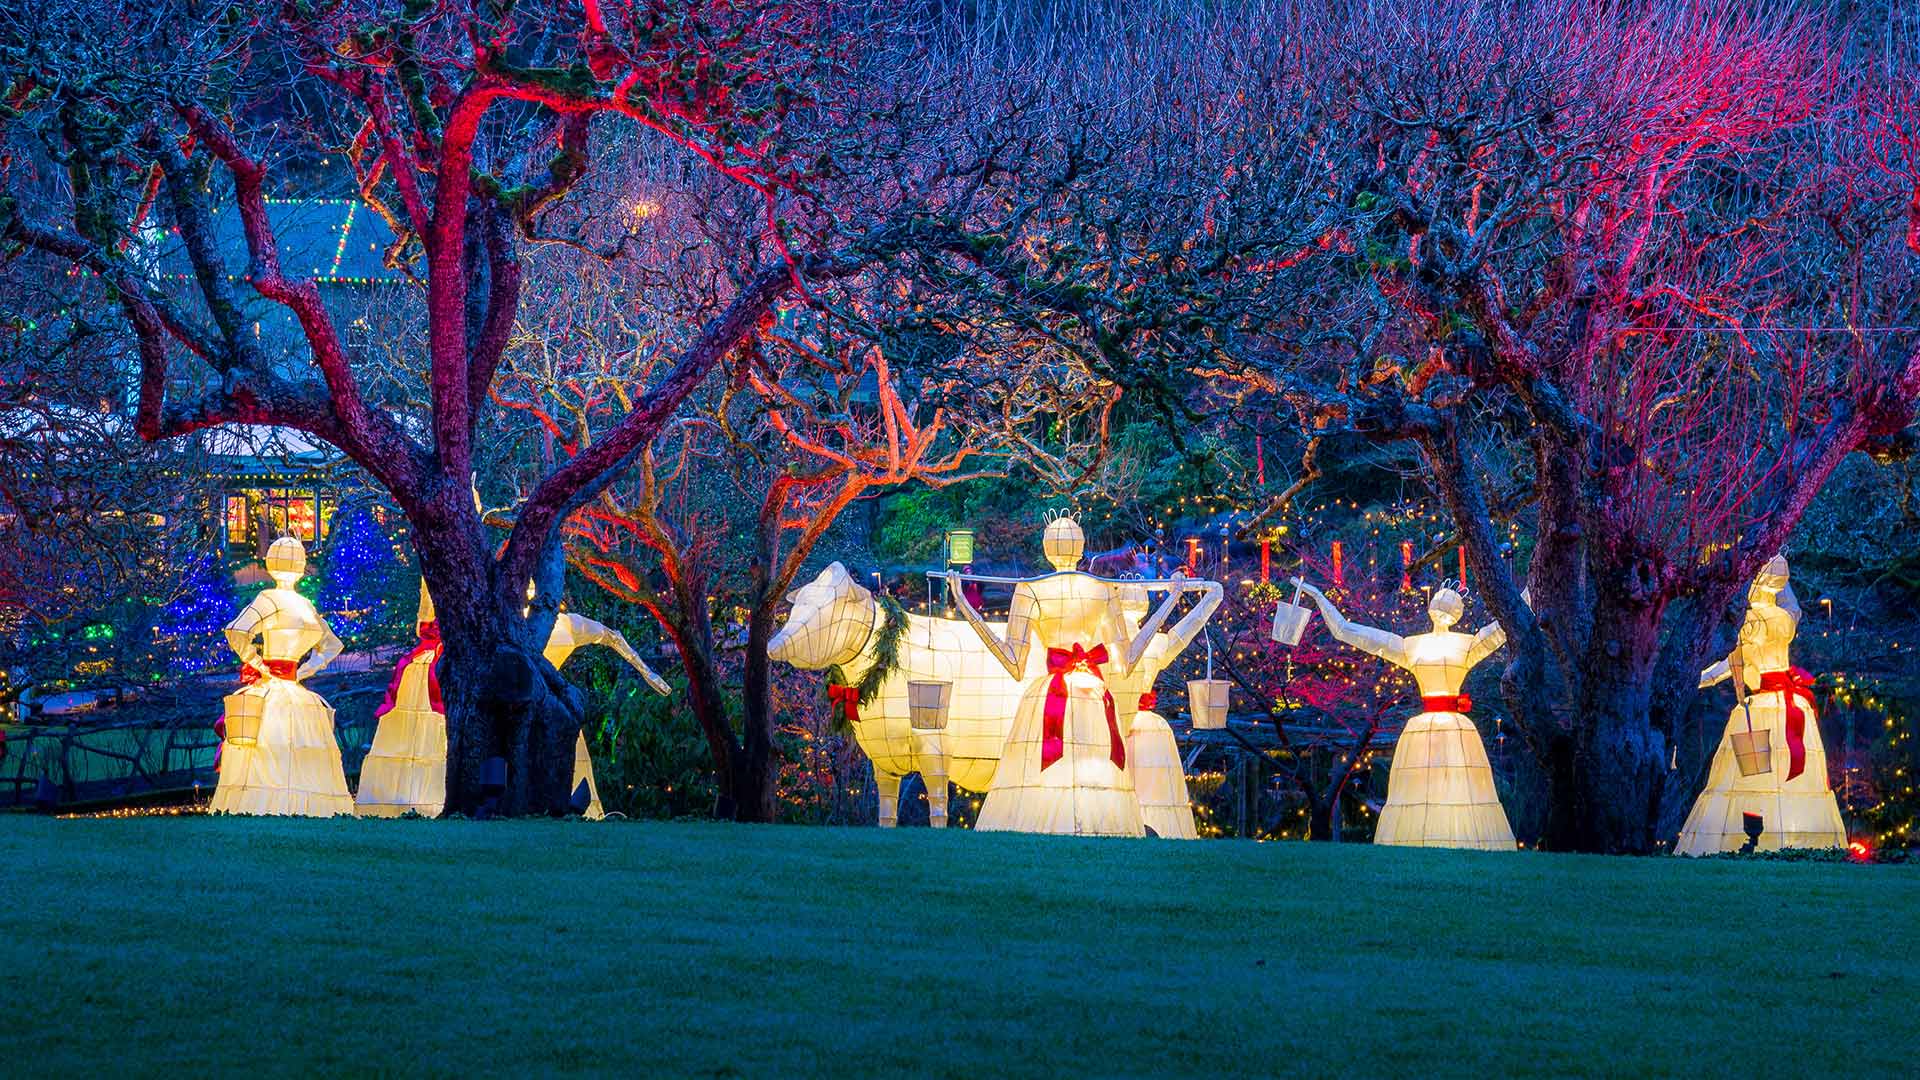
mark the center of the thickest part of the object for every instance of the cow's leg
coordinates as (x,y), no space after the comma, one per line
(933,771)
(889,798)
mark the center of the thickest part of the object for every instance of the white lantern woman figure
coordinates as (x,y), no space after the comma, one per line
(1064,767)
(1153,756)
(406,769)
(1795,805)
(1440,790)
(280,756)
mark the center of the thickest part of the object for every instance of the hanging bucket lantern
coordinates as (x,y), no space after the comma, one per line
(243,724)
(1290,619)
(1207,703)
(1753,751)
(927,704)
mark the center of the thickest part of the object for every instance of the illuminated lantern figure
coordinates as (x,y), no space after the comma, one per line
(1791,798)
(570,632)
(406,769)
(1064,767)
(279,755)
(1159,777)
(1440,791)
(838,623)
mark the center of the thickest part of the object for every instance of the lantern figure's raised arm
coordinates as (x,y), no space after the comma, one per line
(570,632)
(279,754)
(1789,791)
(406,768)
(1440,791)
(1064,767)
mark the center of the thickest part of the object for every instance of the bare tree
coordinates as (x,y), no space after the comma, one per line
(468,127)
(1576,233)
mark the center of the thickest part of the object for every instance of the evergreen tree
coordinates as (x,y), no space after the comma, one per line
(188,628)
(363,584)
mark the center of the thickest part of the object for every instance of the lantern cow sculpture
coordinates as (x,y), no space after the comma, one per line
(837,623)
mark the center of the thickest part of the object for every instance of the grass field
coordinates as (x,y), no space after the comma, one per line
(197,945)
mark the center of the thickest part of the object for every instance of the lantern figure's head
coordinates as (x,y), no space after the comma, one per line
(1770,581)
(1446,608)
(286,561)
(832,619)
(1064,543)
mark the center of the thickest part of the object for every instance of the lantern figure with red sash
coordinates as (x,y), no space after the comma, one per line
(1789,790)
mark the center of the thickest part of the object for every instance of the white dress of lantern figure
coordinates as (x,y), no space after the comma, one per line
(836,622)
(1064,767)
(1159,776)
(406,769)
(570,632)
(279,754)
(1440,791)
(1788,791)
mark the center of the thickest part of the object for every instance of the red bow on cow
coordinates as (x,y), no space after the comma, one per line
(846,698)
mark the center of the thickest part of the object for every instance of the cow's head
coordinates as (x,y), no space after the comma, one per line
(831,620)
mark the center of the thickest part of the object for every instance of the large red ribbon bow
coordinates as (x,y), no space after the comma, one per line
(1457,703)
(1053,733)
(845,698)
(1792,685)
(429,646)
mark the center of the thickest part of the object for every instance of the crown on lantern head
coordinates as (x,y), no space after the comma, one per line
(1056,513)
(1063,541)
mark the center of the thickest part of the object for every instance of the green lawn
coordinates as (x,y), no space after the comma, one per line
(197,946)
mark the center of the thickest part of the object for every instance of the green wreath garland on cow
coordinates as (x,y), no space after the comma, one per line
(886,657)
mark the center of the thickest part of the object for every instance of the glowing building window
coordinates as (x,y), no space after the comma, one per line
(293,513)
(237,519)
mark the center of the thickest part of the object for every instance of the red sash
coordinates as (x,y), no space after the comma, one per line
(279,669)
(1792,685)
(845,698)
(1454,703)
(429,646)
(1053,732)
